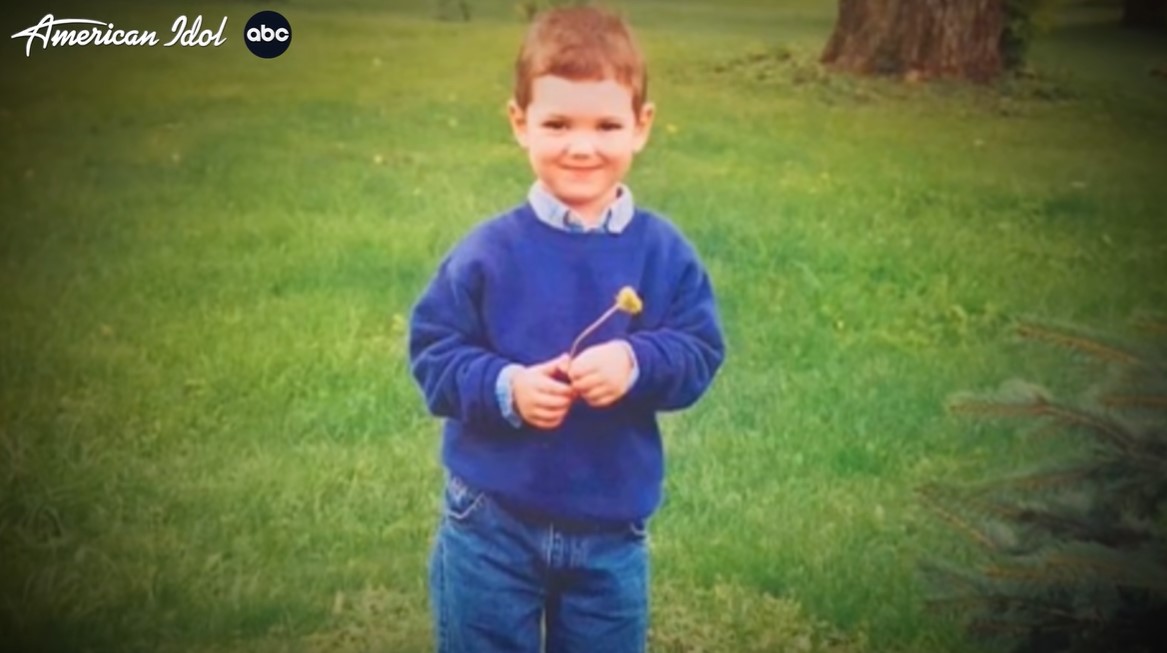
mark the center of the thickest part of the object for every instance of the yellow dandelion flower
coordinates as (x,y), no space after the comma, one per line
(629,301)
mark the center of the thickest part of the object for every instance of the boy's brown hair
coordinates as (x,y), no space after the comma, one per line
(580,43)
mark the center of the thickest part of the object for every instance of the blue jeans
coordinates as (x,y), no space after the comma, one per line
(504,581)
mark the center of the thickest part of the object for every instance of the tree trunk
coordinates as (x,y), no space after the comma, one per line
(1144,14)
(918,38)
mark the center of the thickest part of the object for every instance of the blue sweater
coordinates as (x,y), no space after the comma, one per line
(516,290)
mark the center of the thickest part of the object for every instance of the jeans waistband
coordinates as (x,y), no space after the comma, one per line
(537,517)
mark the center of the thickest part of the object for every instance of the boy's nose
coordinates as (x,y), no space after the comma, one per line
(581,144)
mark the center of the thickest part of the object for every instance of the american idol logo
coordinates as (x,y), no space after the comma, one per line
(58,32)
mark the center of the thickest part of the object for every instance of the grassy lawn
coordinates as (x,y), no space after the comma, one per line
(209,440)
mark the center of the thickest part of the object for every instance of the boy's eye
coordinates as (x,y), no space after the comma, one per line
(611,126)
(555,124)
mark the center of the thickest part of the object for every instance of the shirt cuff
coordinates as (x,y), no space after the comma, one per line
(506,398)
(635,373)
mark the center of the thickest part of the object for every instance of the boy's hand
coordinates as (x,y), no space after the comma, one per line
(600,374)
(541,398)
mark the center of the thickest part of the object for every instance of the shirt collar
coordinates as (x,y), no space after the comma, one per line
(550,210)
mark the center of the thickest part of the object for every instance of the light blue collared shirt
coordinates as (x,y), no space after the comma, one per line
(557,214)
(550,210)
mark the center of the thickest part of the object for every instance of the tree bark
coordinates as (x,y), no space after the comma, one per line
(957,39)
(1144,14)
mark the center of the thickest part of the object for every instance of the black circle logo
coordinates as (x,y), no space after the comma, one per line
(267,34)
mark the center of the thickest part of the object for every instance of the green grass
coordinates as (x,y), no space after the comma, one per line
(209,439)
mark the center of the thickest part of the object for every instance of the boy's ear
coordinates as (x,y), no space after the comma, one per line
(518,120)
(644,126)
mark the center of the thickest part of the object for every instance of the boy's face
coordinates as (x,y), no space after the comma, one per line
(581,137)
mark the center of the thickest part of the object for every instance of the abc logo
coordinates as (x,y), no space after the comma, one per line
(267,34)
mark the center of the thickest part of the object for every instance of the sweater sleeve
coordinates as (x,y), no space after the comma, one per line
(678,360)
(449,354)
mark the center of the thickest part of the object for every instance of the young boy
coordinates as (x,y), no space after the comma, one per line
(554,463)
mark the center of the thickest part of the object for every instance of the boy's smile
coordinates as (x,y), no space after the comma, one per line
(580,137)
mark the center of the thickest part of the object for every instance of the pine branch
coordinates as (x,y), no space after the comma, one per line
(1015,398)
(999,601)
(995,626)
(1018,399)
(1043,430)
(1116,571)
(1039,575)
(1151,323)
(1111,430)
(1152,458)
(1049,479)
(993,521)
(1068,525)
(1139,393)
(989,596)
(1079,340)
(1048,520)
(1013,614)
(951,603)
(1147,379)
(928,496)
(1135,401)
(1002,512)
(947,576)
(1140,494)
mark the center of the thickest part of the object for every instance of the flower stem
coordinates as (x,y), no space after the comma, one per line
(591,327)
